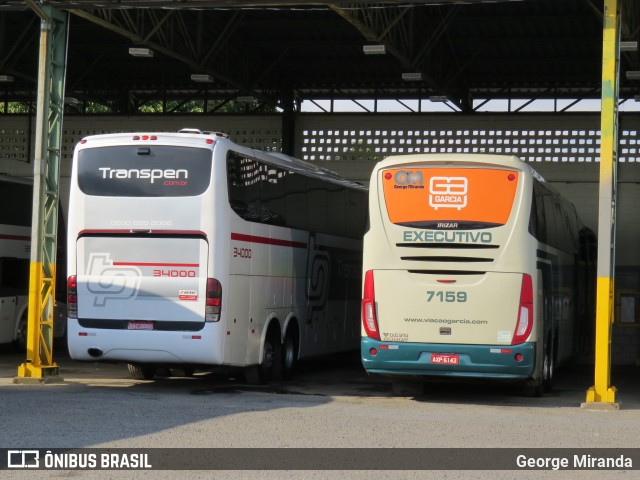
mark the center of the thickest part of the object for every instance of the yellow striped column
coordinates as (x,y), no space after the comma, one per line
(602,393)
(39,365)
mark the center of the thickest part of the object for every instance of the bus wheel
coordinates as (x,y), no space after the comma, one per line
(535,388)
(271,366)
(289,355)
(548,366)
(138,372)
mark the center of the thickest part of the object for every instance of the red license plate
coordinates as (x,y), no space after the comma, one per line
(138,325)
(445,359)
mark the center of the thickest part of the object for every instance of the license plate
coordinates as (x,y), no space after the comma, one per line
(445,358)
(138,325)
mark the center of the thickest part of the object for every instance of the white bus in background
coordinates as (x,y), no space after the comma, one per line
(474,267)
(16,199)
(188,251)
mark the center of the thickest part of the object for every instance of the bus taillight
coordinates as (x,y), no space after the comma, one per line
(214,301)
(72,297)
(525,311)
(369,319)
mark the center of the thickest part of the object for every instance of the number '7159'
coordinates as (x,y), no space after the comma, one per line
(447,297)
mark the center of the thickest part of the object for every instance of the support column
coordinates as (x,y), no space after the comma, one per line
(602,394)
(39,365)
(288,122)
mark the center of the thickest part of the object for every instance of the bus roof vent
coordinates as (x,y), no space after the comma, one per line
(218,134)
(204,132)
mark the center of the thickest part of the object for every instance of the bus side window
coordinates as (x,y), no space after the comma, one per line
(271,204)
(541,221)
(236,185)
(533,218)
(317,205)
(356,213)
(14,275)
(296,201)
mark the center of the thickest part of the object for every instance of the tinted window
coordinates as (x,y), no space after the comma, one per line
(556,221)
(144,171)
(264,193)
(15,204)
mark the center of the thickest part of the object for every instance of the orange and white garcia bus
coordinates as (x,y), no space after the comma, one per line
(188,251)
(474,267)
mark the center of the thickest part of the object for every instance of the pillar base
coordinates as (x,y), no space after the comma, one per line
(596,401)
(29,374)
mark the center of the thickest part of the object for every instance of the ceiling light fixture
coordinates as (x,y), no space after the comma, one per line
(246,99)
(6,78)
(202,77)
(633,75)
(438,98)
(629,46)
(412,76)
(141,52)
(374,49)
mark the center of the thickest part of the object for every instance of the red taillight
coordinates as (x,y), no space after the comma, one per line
(213,304)
(369,318)
(72,297)
(525,312)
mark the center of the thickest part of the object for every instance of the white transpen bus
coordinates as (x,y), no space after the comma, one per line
(16,200)
(189,251)
(473,267)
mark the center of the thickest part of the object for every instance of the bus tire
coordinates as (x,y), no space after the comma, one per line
(271,366)
(289,353)
(139,372)
(548,365)
(535,388)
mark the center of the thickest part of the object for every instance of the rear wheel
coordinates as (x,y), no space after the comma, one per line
(139,372)
(548,366)
(535,388)
(289,355)
(271,366)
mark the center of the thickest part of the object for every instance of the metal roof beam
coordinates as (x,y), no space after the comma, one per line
(138,39)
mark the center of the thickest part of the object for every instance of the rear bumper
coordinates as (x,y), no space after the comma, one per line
(156,346)
(480,361)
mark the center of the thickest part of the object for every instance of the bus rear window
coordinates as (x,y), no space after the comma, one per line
(449,198)
(144,171)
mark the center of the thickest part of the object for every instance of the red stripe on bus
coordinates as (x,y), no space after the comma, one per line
(267,241)
(13,237)
(153,264)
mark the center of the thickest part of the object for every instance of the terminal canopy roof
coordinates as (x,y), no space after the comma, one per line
(277,54)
